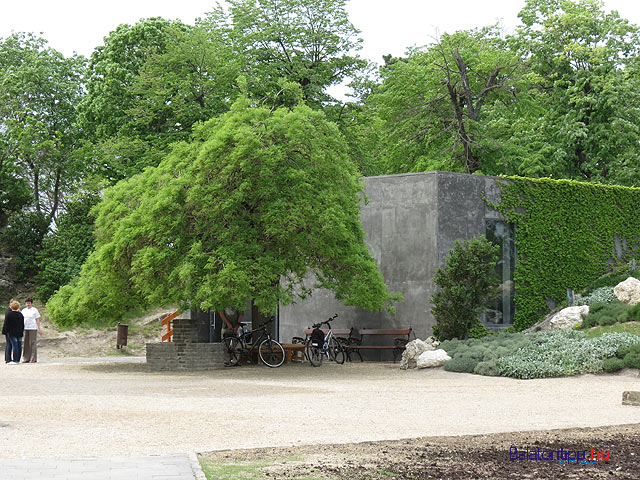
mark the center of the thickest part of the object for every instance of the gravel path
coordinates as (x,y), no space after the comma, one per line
(79,408)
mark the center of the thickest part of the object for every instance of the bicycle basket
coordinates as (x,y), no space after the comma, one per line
(317,337)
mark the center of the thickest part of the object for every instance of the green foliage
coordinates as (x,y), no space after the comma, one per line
(65,249)
(613,364)
(599,295)
(23,239)
(445,106)
(256,197)
(536,355)
(606,314)
(461,364)
(566,235)
(488,368)
(633,314)
(113,69)
(308,42)
(627,327)
(40,90)
(583,75)
(632,359)
(563,352)
(466,284)
(612,279)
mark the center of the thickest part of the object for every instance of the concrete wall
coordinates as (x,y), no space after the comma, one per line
(411,222)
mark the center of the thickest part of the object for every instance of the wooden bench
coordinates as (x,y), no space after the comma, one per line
(401,337)
(293,352)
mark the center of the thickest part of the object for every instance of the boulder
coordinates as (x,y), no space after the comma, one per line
(412,351)
(432,358)
(563,320)
(628,291)
(569,317)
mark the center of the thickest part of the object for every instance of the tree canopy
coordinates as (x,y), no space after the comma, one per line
(246,210)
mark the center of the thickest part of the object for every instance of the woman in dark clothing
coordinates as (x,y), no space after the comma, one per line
(13,329)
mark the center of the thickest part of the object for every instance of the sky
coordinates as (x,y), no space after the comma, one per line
(387,26)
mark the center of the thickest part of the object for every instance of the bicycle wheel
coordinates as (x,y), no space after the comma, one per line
(336,352)
(233,348)
(271,353)
(314,355)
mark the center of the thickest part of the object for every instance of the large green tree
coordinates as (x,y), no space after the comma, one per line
(255,202)
(582,62)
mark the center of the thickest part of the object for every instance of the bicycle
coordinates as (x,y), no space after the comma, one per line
(270,351)
(320,345)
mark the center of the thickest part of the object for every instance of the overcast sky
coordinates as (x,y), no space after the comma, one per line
(388,26)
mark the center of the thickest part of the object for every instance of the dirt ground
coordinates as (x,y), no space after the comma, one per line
(464,457)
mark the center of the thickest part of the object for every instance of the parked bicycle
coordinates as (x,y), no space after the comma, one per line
(270,351)
(321,344)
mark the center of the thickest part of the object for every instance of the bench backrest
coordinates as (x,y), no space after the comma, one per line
(400,331)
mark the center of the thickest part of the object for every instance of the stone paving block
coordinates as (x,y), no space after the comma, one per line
(167,467)
(631,398)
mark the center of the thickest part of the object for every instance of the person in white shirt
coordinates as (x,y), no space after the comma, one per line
(31,327)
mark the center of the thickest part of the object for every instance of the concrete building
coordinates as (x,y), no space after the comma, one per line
(411,222)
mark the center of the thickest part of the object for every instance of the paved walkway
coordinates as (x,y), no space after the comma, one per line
(165,467)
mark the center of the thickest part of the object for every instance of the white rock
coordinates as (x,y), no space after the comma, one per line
(628,291)
(433,341)
(569,317)
(434,358)
(412,351)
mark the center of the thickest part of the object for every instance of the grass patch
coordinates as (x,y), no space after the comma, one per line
(234,469)
(629,327)
(242,469)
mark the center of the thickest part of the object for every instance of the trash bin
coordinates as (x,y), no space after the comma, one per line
(121,337)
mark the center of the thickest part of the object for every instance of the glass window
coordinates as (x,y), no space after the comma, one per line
(500,313)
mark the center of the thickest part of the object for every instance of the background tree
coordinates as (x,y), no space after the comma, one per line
(40,90)
(65,249)
(257,197)
(436,104)
(308,42)
(583,77)
(118,142)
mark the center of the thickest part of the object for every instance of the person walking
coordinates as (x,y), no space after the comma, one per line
(13,329)
(31,330)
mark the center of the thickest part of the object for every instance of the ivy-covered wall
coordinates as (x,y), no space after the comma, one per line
(568,233)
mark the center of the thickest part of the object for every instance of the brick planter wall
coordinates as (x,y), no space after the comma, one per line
(189,349)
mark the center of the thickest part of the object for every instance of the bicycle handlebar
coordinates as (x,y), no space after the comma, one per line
(326,322)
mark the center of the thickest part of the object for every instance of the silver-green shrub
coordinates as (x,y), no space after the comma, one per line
(563,352)
(599,295)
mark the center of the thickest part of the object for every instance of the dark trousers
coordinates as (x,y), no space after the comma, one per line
(14,346)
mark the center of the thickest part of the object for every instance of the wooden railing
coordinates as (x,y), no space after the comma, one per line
(167,337)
